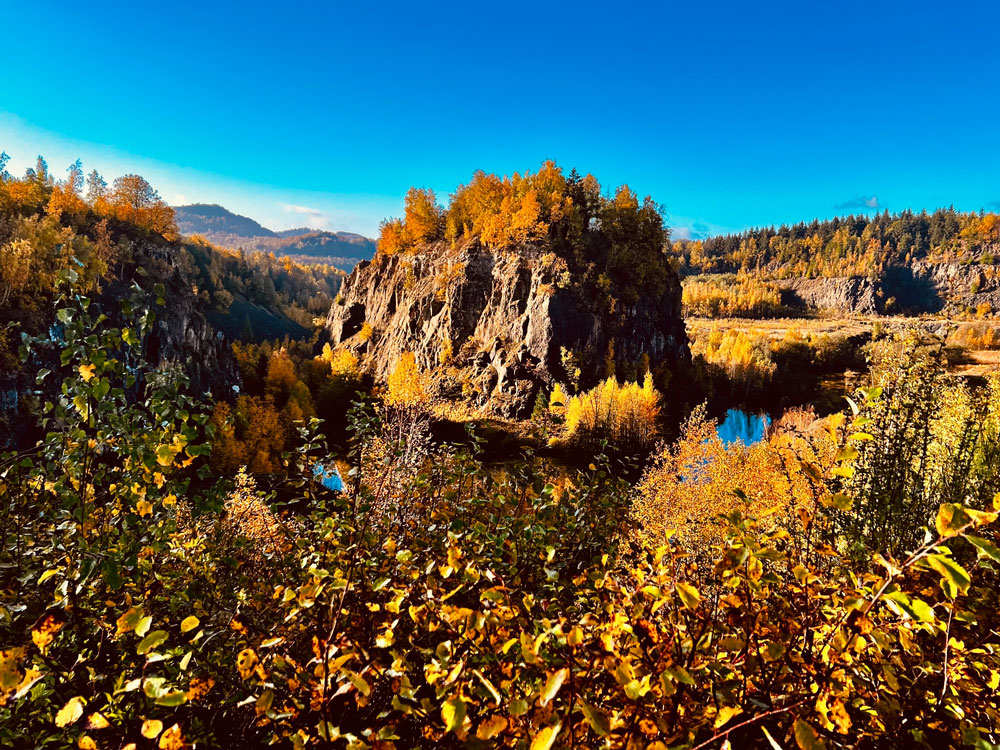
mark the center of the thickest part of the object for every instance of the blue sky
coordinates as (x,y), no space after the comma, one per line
(731,114)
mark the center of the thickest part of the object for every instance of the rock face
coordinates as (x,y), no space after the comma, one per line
(922,287)
(497,325)
(858,295)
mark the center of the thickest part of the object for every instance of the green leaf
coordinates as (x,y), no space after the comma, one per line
(806,737)
(164,456)
(359,682)
(733,558)
(453,714)
(984,548)
(916,609)
(597,719)
(151,641)
(172,699)
(951,572)
(489,686)
(847,454)
(689,595)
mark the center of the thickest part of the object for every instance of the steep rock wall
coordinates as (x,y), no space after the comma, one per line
(498,323)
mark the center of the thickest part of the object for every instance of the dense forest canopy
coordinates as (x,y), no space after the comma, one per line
(849,246)
(612,241)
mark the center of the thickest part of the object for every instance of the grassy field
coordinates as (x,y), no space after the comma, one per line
(970,362)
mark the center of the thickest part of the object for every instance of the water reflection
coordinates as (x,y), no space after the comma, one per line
(743,426)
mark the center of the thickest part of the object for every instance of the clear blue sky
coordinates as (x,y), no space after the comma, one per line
(731,114)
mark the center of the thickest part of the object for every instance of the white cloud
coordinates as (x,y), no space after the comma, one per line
(862,202)
(313,217)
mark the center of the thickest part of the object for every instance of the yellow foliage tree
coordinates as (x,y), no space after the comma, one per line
(392,237)
(625,414)
(423,216)
(407,384)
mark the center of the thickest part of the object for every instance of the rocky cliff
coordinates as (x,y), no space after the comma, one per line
(921,287)
(495,326)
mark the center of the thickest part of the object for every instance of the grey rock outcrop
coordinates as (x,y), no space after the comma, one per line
(495,326)
(921,287)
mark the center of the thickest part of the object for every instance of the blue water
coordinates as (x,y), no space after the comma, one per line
(330,480)
(742,426)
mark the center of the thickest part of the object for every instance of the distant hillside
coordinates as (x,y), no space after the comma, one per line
(222,227)
(208,219)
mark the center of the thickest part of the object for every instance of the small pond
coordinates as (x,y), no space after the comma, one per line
(743,426)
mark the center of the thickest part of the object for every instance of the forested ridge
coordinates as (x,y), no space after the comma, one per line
(174,574)
(124,232)
(847,246)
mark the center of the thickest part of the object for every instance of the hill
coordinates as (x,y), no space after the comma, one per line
(521,284)
(222,227)
(116,240)
(908,262)
(207,219)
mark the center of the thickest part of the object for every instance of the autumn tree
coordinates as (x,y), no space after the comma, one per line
(134,200)
(407,385)
(423,216)
(392,238)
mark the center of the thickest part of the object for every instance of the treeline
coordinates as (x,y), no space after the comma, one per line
(731,296)
(850,246)
(300,291)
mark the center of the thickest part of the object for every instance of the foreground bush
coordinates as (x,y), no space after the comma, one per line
(438,603)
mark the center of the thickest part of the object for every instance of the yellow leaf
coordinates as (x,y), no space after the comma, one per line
(129,620)
(46,628)
(86,742)
(725,714)
(246,660)
(87,372)
(546,738)
(689,595)
(97,720)
(71,712)
(151,728)
(10,672)
(172,739)
(189,623)
(453,714)
(144,508)
(552,685)
(491,727)
(199,687)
